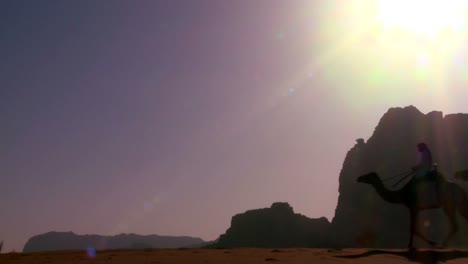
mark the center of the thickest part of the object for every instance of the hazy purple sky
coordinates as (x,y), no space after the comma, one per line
(169,117)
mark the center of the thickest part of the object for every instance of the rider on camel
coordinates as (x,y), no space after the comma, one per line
(425,165)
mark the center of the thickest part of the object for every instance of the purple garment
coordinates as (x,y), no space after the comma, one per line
(426,159)
(425,164)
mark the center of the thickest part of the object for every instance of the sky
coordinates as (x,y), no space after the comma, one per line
(170,116)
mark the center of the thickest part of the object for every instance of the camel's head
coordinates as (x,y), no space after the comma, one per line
(368,178)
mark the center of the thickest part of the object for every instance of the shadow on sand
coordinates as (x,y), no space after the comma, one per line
(421,256)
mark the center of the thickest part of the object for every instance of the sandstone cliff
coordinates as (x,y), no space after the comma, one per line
(277,226)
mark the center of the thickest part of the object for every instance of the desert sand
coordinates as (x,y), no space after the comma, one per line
(234,256)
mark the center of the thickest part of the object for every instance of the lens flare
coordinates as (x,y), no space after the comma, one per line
(91,252)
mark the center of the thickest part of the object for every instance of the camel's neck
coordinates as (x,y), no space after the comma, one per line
(387,195)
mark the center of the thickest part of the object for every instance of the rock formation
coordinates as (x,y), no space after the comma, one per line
(277,226)
(70,241)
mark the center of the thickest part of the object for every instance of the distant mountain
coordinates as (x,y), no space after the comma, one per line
(69,241)
(277,226)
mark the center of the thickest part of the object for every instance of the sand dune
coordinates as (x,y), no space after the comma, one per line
(207,256)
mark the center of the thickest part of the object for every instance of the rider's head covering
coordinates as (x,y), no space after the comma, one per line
(422,146)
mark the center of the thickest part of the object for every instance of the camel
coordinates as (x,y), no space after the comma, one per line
(450,197)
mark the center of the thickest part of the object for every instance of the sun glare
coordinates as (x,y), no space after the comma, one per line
(402,49)
(427,17)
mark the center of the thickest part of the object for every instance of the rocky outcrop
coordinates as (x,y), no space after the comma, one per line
(70,241)
(277,226)
(362,218)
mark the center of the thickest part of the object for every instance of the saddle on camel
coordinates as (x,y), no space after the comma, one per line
(426,180)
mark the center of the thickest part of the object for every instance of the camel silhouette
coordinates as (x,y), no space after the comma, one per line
(415,196)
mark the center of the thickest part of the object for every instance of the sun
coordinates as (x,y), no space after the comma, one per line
(428,17)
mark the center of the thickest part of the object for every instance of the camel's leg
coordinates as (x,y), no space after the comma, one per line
(450,212)
(419,234)
(415,231)
(413,219)
(463,205)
